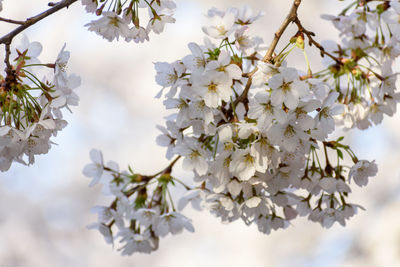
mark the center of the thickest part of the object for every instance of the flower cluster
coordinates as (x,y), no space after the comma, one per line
(252,142)
(364,74)
(255,131)
(143,210)
(31,107)
(123,19)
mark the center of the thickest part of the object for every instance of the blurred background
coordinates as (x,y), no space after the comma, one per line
(45,208)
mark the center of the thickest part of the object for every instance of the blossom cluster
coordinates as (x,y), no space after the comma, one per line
(249,130)
(141,212)
(256,132)
(125,19)
(255,157)
(364,75)
(31,107)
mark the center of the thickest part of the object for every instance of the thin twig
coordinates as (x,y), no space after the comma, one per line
(12,21)
(310,35)
(6,39)
(10,73)
(7,59)
(291,17)
(168,169)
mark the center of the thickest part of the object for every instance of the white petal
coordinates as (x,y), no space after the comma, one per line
(253,202)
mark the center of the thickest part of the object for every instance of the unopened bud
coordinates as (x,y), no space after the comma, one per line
(100,9)
(300,41)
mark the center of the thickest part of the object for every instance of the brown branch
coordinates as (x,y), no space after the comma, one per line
(311,42)
(12,21)
(6,39)
(7,59)
(291,17)
(168,169)
(243,96)
(10,73)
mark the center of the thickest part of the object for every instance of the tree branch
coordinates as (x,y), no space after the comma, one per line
(6,39)
(291,17)
(313,42)
(7,58)
(168,169)
(12,21)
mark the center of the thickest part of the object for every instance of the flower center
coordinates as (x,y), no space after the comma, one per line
(289,131)
(249,159)
(221,30)
(212,88)
(113,21)
(286,87)
(194,154)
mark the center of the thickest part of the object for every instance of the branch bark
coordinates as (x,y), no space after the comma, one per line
(12,21)
(6,39)
(291,17)
(311,40)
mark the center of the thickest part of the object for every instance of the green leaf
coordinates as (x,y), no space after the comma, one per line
(340,153)
(130,169)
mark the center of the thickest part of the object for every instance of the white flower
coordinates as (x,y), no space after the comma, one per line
(60,67)
(30,50)
(199,110)
(245,163)
(262,109)
(362,170)
(104,214)
(169,75)
(184,109)
(245,15)
(197,60)
(391,50)
(221,25)
(302,111)
(329,108)
(146,217)
(332,185)
(195,156)
(96,168)
(212,88)
(243,41)
(264,72)
(223,65)
(64,94)
(289,134)
(110,26)
(287,88)
(104,230)
(392,17)
(138,35)
(267,223)
(157,23)
(169,137)
(252,202)
(192,196)
(90,5)
(174,223)
(135,243)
